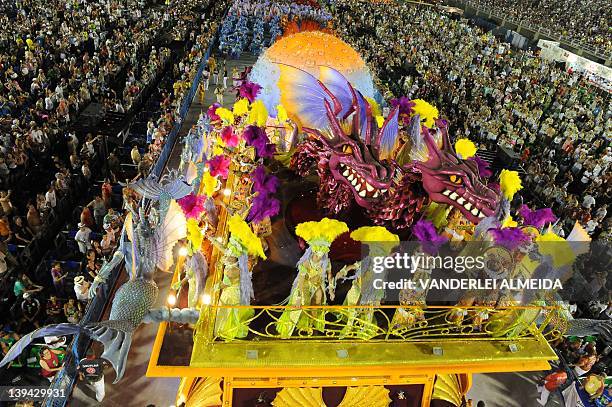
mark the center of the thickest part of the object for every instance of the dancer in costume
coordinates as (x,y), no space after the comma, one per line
(380,243)
(237,287)
(196,271)
(414,299)
(314,280)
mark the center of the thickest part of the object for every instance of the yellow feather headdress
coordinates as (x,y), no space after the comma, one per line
(242,233)
(376,236)
(510,183)
(258,114)
(426,111)
(465,148)
(226,115)
(241,107)
(320,235)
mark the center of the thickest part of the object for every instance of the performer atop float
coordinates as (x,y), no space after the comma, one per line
(314,280)
(237,287)
(380,243)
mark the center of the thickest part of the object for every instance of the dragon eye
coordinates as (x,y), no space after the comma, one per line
(455,179)
(346,149)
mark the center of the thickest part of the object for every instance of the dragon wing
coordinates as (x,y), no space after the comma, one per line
(49,330)
(177,188)
(586,327)
(340,87)
(116,336)
(148,188)
(171,230)
(388,135)
(304,96)
(151,189)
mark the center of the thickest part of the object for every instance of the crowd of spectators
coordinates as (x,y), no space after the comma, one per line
(556,120)
(584,22)
(61,57)
(57,57)
(583,360)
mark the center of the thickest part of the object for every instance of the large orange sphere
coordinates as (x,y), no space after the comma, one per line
(308,50)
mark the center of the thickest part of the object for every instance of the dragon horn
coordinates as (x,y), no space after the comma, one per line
(334,99)
(333,121)
(431,144)
(365,123)
(446,144)
(387,136)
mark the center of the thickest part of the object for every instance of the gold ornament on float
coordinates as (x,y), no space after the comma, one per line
(299,396)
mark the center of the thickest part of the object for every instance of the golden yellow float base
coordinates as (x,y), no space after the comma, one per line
(315,358)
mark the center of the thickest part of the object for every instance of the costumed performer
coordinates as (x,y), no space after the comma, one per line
(311,287)
(415,299)
(380,243)
(236,287)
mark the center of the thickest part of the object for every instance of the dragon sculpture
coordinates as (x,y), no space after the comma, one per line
(390,175)
(392,178)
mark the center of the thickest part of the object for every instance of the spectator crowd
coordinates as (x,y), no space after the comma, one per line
(56,59)
(583,22)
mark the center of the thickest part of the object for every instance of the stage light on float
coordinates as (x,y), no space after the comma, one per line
(183,251)
(227,192)
(205,299)
(171,300)
(342,353)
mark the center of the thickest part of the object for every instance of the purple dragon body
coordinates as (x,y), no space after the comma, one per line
(356,163)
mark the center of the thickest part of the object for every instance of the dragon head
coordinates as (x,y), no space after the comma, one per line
(354,157)
(451,180)
(375,165)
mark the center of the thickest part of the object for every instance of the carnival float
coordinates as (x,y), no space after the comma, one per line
(271,224)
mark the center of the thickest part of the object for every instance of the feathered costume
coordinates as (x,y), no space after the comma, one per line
(314,274)
(237,288)
(380,242)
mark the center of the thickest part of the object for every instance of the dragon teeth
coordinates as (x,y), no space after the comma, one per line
(354,181)
(475,212)
(369,187)
(375,195)
(345,173)
(460,201)
(481,215)
(351,177)
(468,206)
(446,193)
(362,193)
(453,196)
(382,191)
(357,187)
